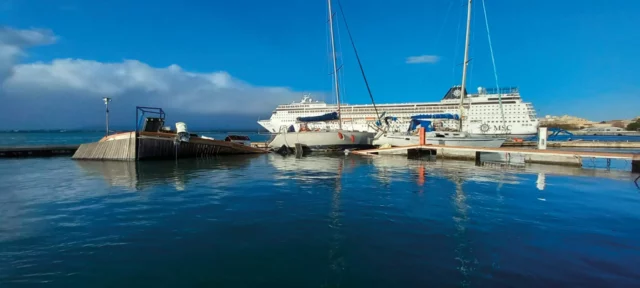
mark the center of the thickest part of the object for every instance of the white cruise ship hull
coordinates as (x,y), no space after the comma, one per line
(489,112)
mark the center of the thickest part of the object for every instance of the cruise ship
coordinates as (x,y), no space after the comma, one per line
(482,113)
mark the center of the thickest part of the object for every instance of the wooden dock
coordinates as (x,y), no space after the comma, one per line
(153,145)
(122,149)
(556,157)
(37,151)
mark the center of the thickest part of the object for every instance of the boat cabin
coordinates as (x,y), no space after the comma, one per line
(240,139)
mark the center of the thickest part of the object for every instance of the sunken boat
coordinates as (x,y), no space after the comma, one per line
(153,140)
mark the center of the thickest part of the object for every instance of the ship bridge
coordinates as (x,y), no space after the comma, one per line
(455,92)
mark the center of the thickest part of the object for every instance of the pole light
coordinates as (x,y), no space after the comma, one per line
(106,104)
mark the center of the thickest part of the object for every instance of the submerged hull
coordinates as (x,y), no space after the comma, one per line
(406,140)
(324,141)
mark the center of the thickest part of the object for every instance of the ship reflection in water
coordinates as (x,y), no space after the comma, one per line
(316,221)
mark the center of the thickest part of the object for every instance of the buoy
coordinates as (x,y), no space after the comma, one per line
(353,139)
(340,135)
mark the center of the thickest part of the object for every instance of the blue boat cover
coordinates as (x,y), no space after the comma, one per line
(326,117)
(423,123)
(436,116)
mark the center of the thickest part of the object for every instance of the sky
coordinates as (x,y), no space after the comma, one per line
(225,64)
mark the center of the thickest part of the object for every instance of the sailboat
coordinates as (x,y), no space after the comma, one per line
(446,138)
(323,140)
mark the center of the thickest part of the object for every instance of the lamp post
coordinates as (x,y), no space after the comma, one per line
(106,103)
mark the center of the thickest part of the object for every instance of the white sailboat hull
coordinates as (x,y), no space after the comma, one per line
(470,141)
(324,140)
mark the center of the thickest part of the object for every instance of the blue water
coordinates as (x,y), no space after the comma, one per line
(58,138)
(349,221)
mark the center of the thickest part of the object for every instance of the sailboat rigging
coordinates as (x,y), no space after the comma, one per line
(355,51)
(460,138)
(335,63)
(326,140)
(465,65)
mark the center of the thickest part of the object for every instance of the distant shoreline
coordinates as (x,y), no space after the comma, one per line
(116,131)
(575,132)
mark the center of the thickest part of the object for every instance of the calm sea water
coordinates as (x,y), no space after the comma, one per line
(57,138)
(50,138)
(315,222)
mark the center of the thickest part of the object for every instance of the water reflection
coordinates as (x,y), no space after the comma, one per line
(316,221)
(540,182)
(142,175)
(463,250)
(389,168)
(312,168)
(336,258)
(311,173)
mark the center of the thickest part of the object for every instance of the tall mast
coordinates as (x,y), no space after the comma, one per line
(464,65)
(335,64)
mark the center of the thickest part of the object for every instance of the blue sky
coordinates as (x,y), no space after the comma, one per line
(245,56)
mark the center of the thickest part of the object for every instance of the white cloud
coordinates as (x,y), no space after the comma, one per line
(13,44)
(423,59)
(62,83)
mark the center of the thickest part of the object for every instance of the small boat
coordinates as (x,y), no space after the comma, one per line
(439,138)
(445,138)
(325,140)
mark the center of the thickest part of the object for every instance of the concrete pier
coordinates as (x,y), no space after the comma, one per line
(555,157)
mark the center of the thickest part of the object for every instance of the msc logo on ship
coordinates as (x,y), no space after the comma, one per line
(485,128)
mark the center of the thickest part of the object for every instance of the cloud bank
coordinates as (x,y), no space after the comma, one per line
(430,59)
(66,93)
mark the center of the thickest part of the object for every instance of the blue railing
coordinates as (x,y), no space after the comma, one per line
(502,90)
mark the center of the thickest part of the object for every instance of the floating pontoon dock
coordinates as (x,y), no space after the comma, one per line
(557,157)
(578,144)
(507,154)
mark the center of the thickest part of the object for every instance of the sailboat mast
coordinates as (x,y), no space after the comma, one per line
(464,64)
(335,64)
